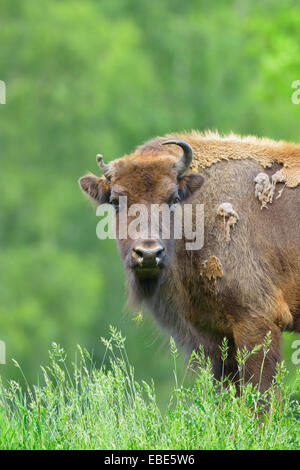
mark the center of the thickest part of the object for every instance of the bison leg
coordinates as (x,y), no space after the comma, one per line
(296,326)
(260,367)
(211,348)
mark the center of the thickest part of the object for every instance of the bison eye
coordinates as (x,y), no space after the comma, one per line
(173,200)
(115,203)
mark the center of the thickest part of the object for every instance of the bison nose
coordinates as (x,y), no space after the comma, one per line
(148,254)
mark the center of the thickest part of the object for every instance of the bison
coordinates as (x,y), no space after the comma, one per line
(245,281)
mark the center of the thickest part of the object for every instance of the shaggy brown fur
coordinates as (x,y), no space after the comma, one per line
(241,285)
(210,148)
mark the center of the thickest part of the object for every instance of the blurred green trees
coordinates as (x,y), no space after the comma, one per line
(102,76)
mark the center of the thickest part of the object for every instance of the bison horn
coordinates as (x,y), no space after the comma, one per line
(103,167)
(187,157)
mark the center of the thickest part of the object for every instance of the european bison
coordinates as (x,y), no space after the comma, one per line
(245,281)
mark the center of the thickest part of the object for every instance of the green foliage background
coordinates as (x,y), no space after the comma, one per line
(91,76)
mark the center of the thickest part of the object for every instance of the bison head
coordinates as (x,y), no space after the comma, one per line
(146,178)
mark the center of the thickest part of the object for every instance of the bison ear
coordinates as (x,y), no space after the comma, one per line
(97,189)
(188,184)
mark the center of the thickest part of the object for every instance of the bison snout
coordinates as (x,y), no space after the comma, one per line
(149,254)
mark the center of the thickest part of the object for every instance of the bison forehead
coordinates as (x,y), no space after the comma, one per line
(162,163)
(140,174)
(145,188)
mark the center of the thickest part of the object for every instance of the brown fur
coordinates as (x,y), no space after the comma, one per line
(240,287)
(211,268)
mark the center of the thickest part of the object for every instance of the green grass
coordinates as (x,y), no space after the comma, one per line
(107,408)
